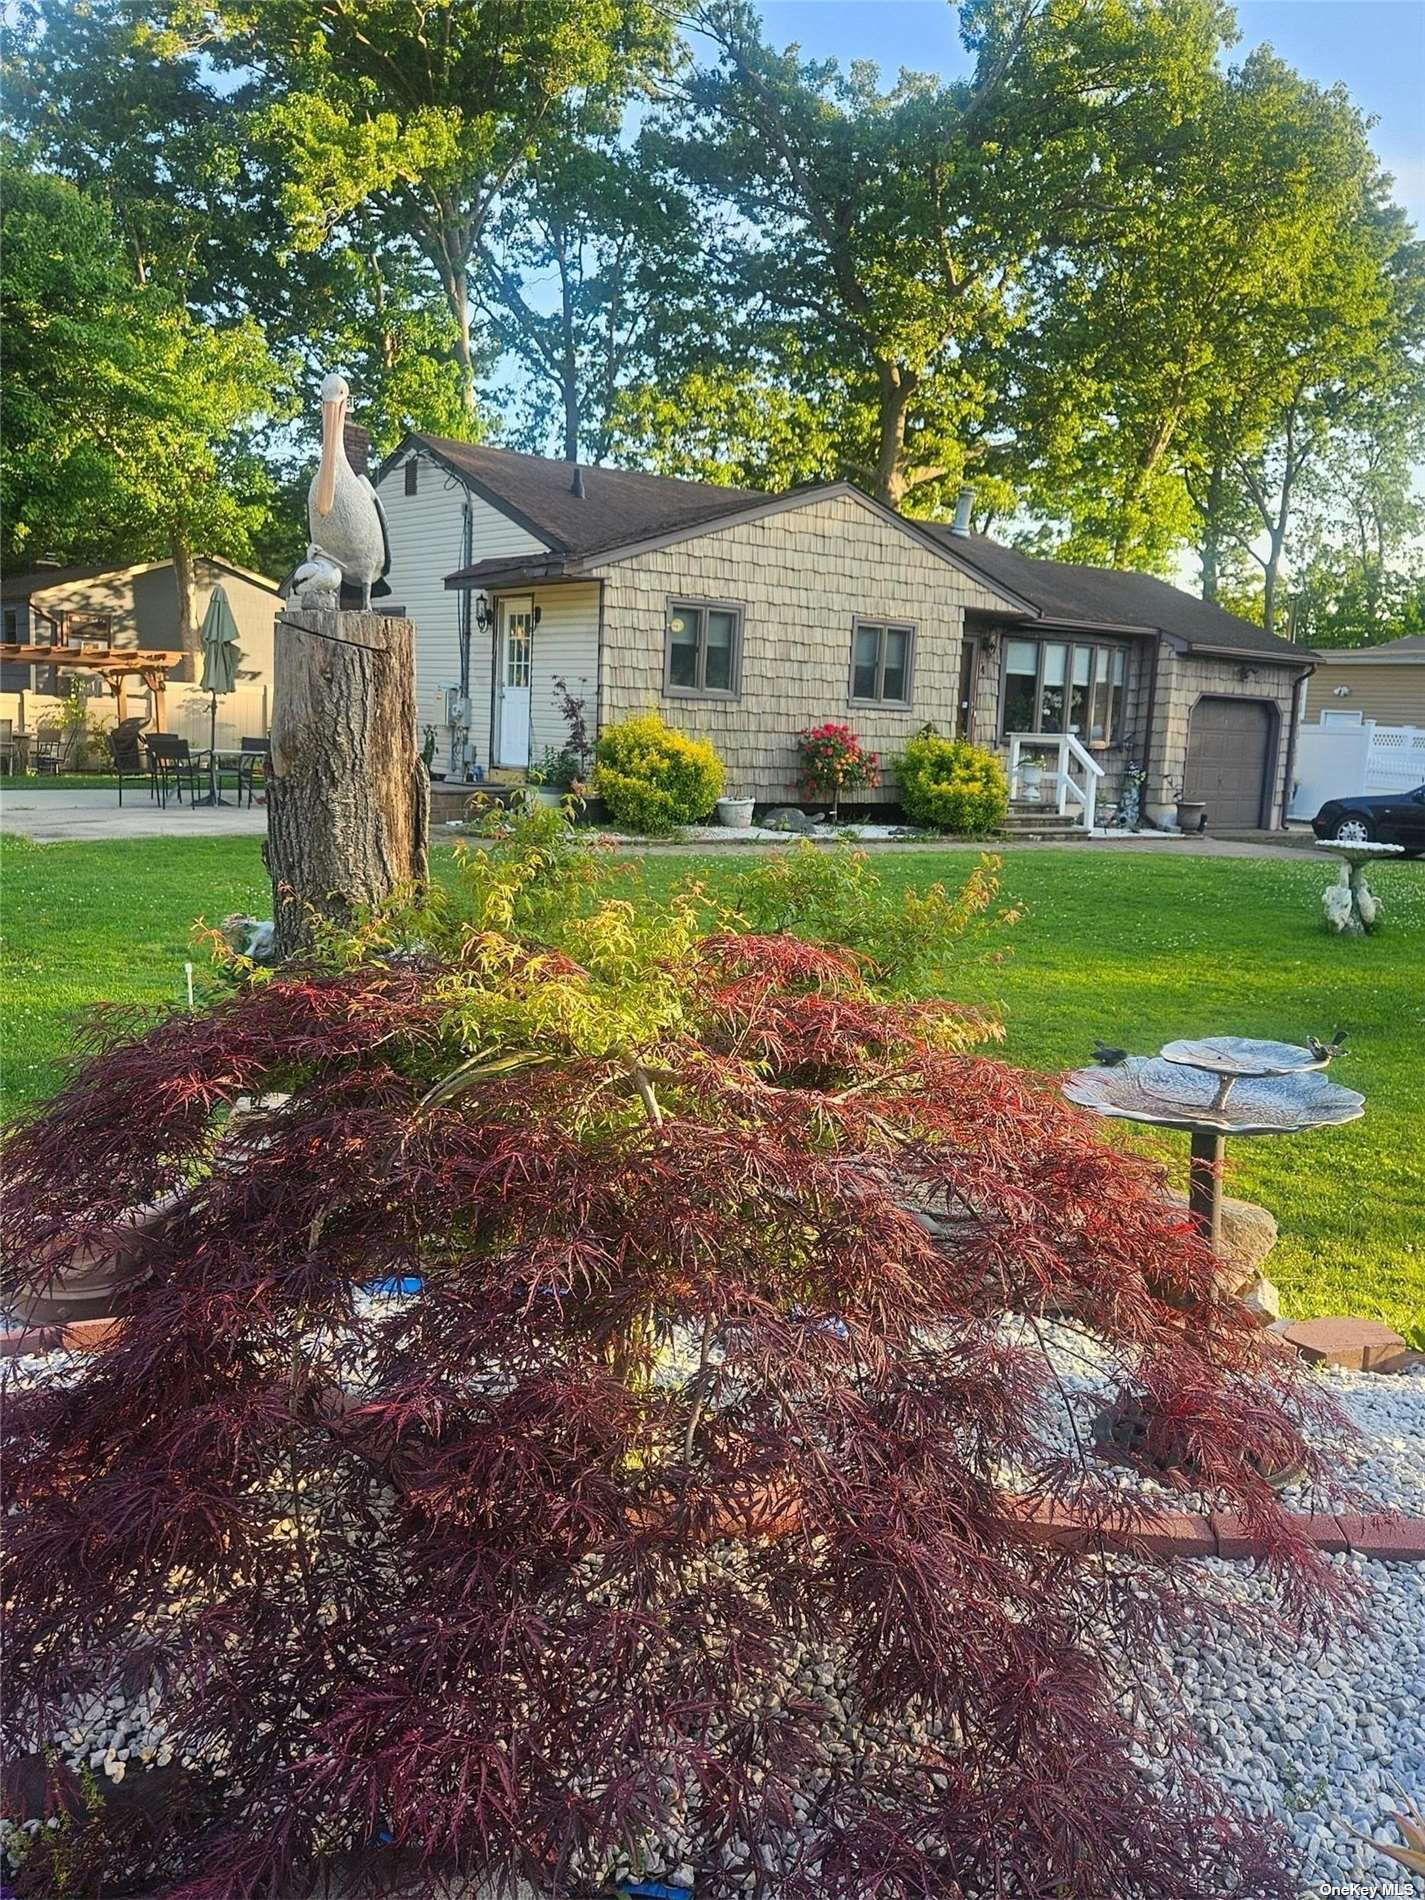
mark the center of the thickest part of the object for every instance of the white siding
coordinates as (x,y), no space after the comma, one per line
(427,543)
(566,646)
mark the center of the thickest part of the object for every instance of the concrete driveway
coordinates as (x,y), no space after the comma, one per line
(68,817)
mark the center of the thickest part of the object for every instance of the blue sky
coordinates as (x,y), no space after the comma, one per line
(1377,47)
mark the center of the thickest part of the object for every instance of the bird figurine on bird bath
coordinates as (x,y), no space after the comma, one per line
(1351,906)
(350,547)
(1214,1087)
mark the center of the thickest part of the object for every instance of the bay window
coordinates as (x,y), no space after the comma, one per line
(1074,686)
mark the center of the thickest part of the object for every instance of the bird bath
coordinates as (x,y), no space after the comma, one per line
(1350,905)
(1215,1087)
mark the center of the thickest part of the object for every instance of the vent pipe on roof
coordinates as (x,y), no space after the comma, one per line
(964,502)
(576,487)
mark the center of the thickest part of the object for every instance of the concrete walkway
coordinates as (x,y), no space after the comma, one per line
(72,816)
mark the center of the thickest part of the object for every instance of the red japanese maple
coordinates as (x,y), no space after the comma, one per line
(709,1364)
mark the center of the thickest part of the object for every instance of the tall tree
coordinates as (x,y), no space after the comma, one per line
(1188,364)
(1362,526)
(126,420)
(880,240)
(421,111)
(583,265)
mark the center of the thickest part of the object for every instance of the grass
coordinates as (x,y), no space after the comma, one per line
(1137,950)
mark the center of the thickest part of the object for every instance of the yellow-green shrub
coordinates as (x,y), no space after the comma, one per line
(652,778)
(951,784)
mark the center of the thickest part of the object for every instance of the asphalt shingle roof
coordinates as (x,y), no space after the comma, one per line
(617,505)
(1113,597)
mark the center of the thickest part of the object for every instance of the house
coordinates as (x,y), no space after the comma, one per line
(745,617)
(103,614)
(1385,683)
(736,612)
(1205,703)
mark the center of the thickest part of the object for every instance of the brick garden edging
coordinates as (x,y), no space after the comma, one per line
(1388,1535)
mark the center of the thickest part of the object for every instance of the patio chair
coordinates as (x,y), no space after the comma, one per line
(45,754)
(255,756)
(171,766)
(125,753)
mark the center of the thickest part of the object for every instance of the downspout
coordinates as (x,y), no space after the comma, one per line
(1150,715)
(460,734)
(1298,707)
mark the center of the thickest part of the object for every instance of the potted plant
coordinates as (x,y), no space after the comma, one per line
(1191,813)
(735,813)
(833,760)
(555,777)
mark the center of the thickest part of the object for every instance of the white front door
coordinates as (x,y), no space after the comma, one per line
(516,636)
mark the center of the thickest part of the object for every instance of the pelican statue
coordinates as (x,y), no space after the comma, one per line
(345,518)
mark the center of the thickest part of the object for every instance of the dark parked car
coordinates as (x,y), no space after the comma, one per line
(1376,818)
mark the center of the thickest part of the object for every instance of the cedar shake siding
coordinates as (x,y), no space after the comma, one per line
(799,581)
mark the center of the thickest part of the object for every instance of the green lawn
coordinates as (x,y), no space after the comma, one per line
(1136,949)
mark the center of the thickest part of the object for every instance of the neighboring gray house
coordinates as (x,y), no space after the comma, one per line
(745,617)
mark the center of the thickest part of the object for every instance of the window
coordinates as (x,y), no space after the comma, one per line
(12,627)
(1064,686)
(703,653)
(413,475)
(881,653)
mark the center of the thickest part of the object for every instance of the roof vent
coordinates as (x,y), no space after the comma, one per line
(964,502)
(576,487)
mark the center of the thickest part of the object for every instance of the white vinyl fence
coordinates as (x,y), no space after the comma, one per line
(1336,760)
(242,714)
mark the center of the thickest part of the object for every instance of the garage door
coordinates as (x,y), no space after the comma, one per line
(1229,745)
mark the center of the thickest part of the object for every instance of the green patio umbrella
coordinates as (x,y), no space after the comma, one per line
(221,654)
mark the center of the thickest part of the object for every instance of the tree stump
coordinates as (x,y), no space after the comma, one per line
(348,798)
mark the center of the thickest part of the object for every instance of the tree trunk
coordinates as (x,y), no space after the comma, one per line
(348,800)
(187,610)
(1210,553)
(897,387)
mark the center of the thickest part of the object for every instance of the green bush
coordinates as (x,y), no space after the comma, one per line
(952,785)
(654,779)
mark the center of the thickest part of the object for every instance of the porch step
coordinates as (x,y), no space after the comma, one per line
(1027,818)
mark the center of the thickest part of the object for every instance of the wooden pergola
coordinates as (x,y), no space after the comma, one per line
(116,666)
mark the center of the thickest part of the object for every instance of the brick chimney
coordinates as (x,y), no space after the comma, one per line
(357,443)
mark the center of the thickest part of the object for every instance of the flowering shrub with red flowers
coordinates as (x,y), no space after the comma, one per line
(833,761)
(672,1511)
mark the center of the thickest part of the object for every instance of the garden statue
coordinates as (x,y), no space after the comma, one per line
(347,523)
(1351,907)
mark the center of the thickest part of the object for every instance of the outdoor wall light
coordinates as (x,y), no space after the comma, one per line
(1340,692)
(482,612)
(538,615)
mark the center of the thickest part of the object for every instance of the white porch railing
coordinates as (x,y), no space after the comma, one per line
(1068,753)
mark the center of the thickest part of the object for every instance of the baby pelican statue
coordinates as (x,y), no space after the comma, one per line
(349,544)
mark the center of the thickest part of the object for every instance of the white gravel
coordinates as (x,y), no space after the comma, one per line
(1385,1464)
(1323,1741)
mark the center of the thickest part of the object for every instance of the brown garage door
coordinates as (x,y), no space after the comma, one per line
(1229,743)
